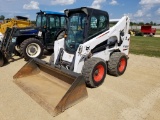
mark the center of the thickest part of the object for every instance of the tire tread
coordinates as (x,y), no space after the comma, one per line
(113,62)
(23,46)
(87,70)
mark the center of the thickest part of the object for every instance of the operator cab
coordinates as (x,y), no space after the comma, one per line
(51,24)
(83,25)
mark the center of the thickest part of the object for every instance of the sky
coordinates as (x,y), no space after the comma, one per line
(138,10)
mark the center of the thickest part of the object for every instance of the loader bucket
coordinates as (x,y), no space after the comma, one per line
(53,88)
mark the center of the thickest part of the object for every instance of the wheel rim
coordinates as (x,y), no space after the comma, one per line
(33,50)
(98,73)
(122,64)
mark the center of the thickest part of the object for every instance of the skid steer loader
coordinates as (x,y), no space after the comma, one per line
(88,51)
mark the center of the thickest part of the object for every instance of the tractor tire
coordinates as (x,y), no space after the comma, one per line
(31,48)
(117,64)
(2,61)
(94,72)
(50,51)
(16,53)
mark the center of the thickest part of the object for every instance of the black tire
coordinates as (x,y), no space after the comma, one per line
(1,59)
(31,48)
(50,50)
(16,53)
(94,72)
(117,64)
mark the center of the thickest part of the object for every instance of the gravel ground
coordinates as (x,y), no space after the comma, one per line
(132,96)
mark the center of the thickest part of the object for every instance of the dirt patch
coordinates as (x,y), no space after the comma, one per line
(132,96)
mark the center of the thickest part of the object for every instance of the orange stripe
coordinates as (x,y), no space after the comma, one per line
(103,34)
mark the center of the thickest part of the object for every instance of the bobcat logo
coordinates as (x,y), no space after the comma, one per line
(88,48)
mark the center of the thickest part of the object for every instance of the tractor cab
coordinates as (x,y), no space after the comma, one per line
(83,25)
(50,25)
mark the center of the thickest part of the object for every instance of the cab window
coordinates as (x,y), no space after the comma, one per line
(98,24)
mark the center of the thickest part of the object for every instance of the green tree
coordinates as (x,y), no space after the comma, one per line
(33,22)
(141,23)
(151,23)
(131,23)
(2,17)
(154,24)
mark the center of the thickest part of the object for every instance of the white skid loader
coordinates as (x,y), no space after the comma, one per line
(88,51)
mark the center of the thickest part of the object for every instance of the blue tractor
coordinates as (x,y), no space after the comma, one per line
(30,42)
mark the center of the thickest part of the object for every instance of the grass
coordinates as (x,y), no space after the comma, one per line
(149,46)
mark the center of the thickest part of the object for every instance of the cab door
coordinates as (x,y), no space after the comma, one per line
(55,24)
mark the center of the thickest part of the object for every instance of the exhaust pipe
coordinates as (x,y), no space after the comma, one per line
(53,88)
